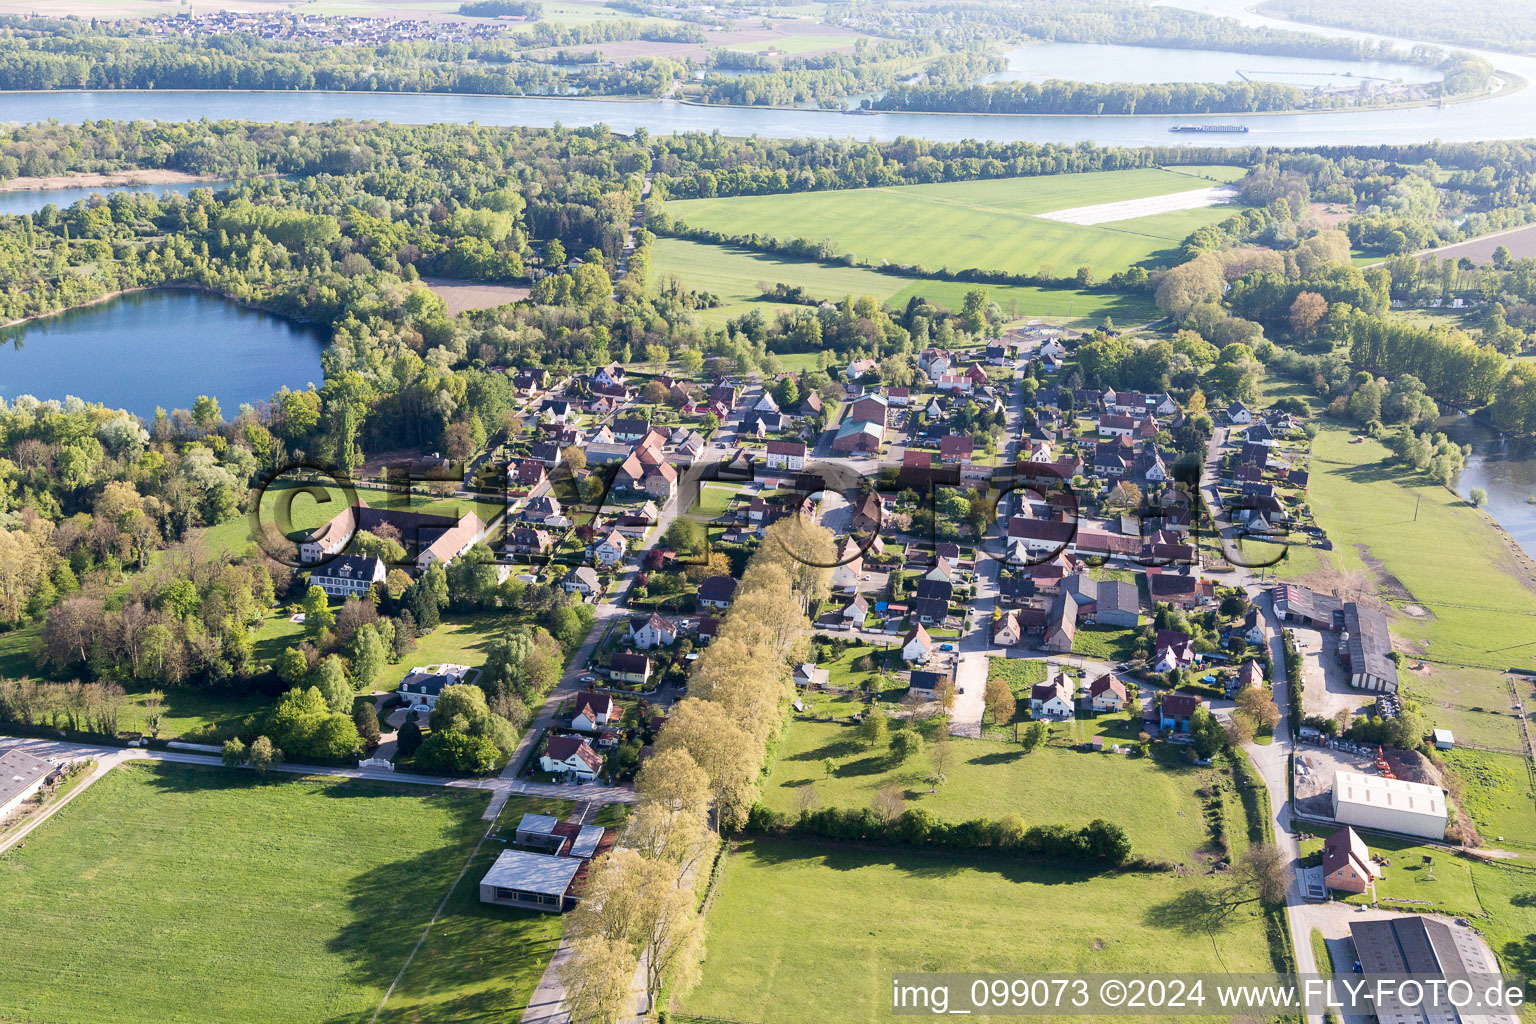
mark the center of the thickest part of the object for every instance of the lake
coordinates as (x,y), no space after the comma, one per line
(33,200)
(159,348)
(1096,62)
(1506,469)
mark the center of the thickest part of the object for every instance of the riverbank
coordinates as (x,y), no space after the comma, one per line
(182,286)
(1463,591)
(1512,83)
(105,179)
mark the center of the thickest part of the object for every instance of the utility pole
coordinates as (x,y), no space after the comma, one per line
(1416,499)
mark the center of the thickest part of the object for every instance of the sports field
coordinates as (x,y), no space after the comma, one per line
(171,893)
(989,224)
(738,277)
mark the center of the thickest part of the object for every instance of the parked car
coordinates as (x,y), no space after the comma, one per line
(946,647)
(588,678)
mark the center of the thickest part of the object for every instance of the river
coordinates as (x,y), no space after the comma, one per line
(159,348)
(1506,469)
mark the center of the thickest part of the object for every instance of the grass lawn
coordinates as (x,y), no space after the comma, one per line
(1153,797)
(739,276)
(16,652)
(1407,878)
(1320,954)
(989,224)
(1508,895)
(1426,548)
(713,500)
(822,928)
(1105,643)
(197,716)
(175,893)
(1498,795)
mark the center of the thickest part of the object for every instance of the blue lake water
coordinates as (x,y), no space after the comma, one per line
(159,348)
(34,200)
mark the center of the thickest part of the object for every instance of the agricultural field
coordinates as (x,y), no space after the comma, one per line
(1153,797)
(285,898)
(738,277)
(989,224)
(781,925)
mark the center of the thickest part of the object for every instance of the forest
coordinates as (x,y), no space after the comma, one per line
(1464,75)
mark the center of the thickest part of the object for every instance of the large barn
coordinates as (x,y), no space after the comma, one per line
(1391,805)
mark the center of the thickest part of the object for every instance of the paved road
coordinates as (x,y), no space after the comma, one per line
(610,613)
(109,757)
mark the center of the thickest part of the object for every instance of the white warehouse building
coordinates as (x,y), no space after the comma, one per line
(1392,805)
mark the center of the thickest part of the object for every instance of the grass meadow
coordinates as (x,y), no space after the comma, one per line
(1153,797)
(170,893)
(990,224)
(812,932)
(739,276)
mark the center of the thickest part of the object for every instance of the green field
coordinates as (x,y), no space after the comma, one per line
(989,224)
(1498,795)
(738,277)
(1153,797)
(808,932)
(1426,548)
(169,893)
(1407,881)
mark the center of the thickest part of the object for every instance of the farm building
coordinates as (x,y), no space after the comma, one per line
(1365,649)
(21,775)
(1424,947)
(536,881)
(1392,805)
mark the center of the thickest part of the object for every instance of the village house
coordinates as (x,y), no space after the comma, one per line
(956,449)
(610,549)
(1347,864)
(423,685)
(717,591)
(647,631)
(1107,693)
(582,580)
(528,540)
(630,668)
(571,755)
(926,684)
(849,567)
(1054,698)
(593,711)
(1177,711)
(916,646)
(1172,649)
(808,675)
(785,455)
